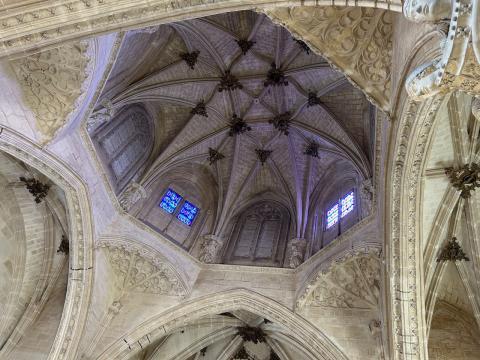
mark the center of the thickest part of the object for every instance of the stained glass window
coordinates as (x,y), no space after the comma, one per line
(170,201)
(347,202)
(332,216)
(187,213)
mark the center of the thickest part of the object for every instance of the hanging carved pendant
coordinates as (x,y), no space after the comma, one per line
(64,246)
(238,126)
(263,155)
(275,76)
(253,334)
(303,45)
(229,82)
(200,109)
(313,99)
(190,58)
(245,45)
(312,149)
(38,189)
(452,252)
(281,122)
(242,355)
(214,155)
(465,179)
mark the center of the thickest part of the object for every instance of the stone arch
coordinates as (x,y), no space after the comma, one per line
(239,299)
(81,238)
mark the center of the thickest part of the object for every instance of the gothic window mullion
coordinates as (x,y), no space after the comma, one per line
(253,249)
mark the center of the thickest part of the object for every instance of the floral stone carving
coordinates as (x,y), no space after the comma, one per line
(210,249)
(139,272)
(351,283)
(452,252)
(358,41)
(466,179)
(52,82)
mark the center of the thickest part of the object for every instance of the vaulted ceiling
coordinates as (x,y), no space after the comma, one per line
(242,88)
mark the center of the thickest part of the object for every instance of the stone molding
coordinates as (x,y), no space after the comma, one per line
(405,256)
(80,275)
(29,27)
(239,299)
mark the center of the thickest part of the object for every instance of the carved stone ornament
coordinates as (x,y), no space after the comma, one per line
(273,355)
(190,58)
(115,307)
(64,246)
(136,269)
(297,249)
(313,99)
(352,282)
(200,109)
(245,45)
(252,334)
(452,252)
(366,197)
(38,189)
(466,179)
(132,194)
(281,122)
(275,76)
(210,249)
(263,155)
(357,41)
(101,116)
(238,126)
(312,149)
(52,83)
(241,354)
(229,82)
(476,108)
(214,156)
(458,66)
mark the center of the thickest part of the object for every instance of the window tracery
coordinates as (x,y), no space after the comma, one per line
(259,236)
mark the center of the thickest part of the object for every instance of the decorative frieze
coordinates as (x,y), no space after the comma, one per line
(214,155)
(263,155)
(275,77)
(229,82)
(35,187)
(190,58)
(452,252)
(281,122)
(238,126)
(465,179)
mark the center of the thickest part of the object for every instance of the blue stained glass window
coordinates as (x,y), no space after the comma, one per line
(332,216)
(187,213)
(170,201)
(347,202)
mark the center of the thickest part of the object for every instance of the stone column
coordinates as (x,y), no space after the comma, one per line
(296,250)
(210,249)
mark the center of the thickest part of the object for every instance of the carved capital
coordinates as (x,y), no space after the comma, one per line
(210,249)
(297,247)
(132,194)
